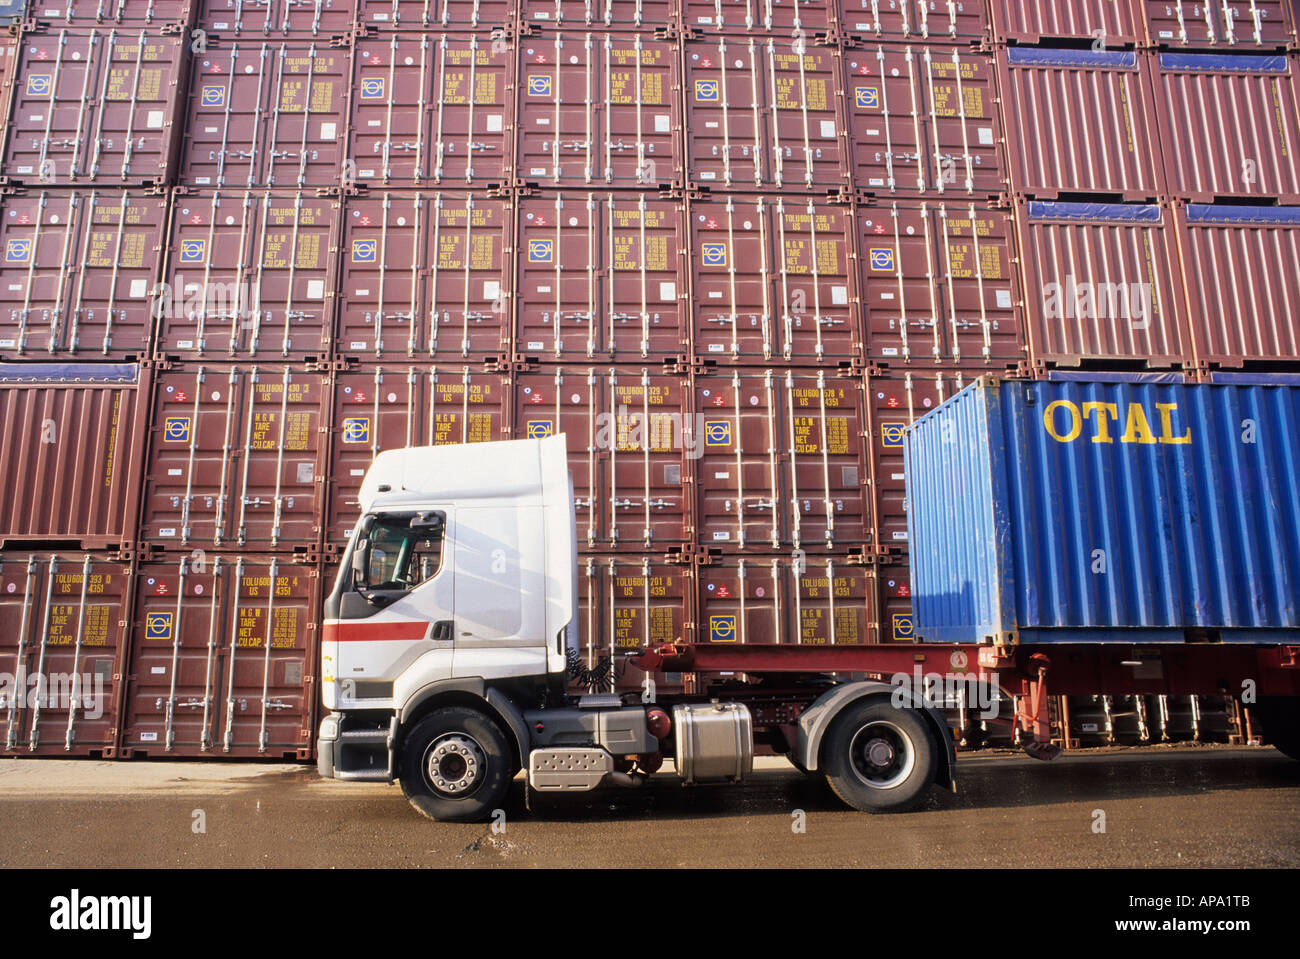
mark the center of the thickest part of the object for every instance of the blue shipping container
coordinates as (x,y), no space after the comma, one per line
(1053,512)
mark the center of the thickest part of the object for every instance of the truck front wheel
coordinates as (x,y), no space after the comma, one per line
(455,765)
(879,758)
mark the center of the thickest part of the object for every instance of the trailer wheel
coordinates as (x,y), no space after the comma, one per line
(455,765)
(1281,718)
(879,758)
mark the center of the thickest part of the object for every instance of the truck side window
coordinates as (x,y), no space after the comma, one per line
(401,558)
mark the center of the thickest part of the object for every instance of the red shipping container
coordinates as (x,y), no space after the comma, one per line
(924,121)
(781,461)
(630,449)
(267,114)
(392,407)
(70,454)
(784,600)
(1230,24)
(925,20)
(426,275)
(434,14)
(781,18)
(63,638)
(249,274)
(432,110)
(939,284)
(95,107)
(601,275)
(1080,121)
(82,14)
(100,311)
(773,278)
(599,110)
(764,114)
(237,19)
(223,658)
(236,458)
(1114,22)
(1103,285)
(1211,151)
(1245,299)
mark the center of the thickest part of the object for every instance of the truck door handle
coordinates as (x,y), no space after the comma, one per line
(443,631)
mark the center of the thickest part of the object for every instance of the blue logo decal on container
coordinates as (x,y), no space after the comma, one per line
(364,251)
(356,429)
(904,627)
(713,254)
(706,91)
(882,260)
(193,251)
(540,429)
(158,625)
(891,435)
(717,432)
(40,84)
(539,86)
(867,98)
(541,251)
(18,250)
(213,97)
(176,429)
(372,88)
(722,629)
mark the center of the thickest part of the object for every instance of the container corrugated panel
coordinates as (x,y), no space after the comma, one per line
(773,278)
(1108,512)
(100,311)
(249,274)
(601,275)
(426,275)
(395,406)
(759,114)
(1115,22)
(432,110)
(1079,121)
(266,113)
(1212,150)
(96,107)
(223,658)
(1245,301)
(803,19)
(240,20)
(781,461)
(1103,285)
(236,458)
(380,15)
(1226,24)
(769,600)
(630,451)
(940,283)
(923,121)
(599,110)
(82,14)
(70,454)
(924,20)
(63,638)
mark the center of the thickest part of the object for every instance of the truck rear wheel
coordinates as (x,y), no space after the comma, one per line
(455,765)
(1281,718)
(879,758)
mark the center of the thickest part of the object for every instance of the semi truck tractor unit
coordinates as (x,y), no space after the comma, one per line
(450,642)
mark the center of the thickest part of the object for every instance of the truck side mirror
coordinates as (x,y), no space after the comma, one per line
(430,523)
(361,562)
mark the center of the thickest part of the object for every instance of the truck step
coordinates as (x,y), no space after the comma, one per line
(378,737)
(363,775)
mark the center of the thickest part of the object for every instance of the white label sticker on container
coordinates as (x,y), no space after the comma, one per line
(167,531)
(536,345)
(315,289)
(538,171)
(148,737)
(717,348)
(711,124)
(839,295)
(873,132)
(357,345)
(877,181)
(543,120)
(900,476)
(722,476)
(902,536)
(889,351)
(663,123)
(1003,299)
(175,472)
(154,120)
(543,289)
(715,294)
(667,291)
(24,169)
(718,536)
(366,174)
(828,129)
(212,129)
(381,17)
(203,180)
(491,289)
(357,473)
(157,671)
(138,288)
(986,136)
(8,344)
(886,295)
(494,123)
(365,292)
(306,472)
(708,175)
(184,344)
(328,131)
(374,123)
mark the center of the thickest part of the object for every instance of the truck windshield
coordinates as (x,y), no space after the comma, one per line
(401,557)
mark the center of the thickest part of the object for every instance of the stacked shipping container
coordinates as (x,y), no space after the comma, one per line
(730,248)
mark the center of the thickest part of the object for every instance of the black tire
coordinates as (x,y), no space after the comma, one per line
(455,765)
(1280,716)
(879,758)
